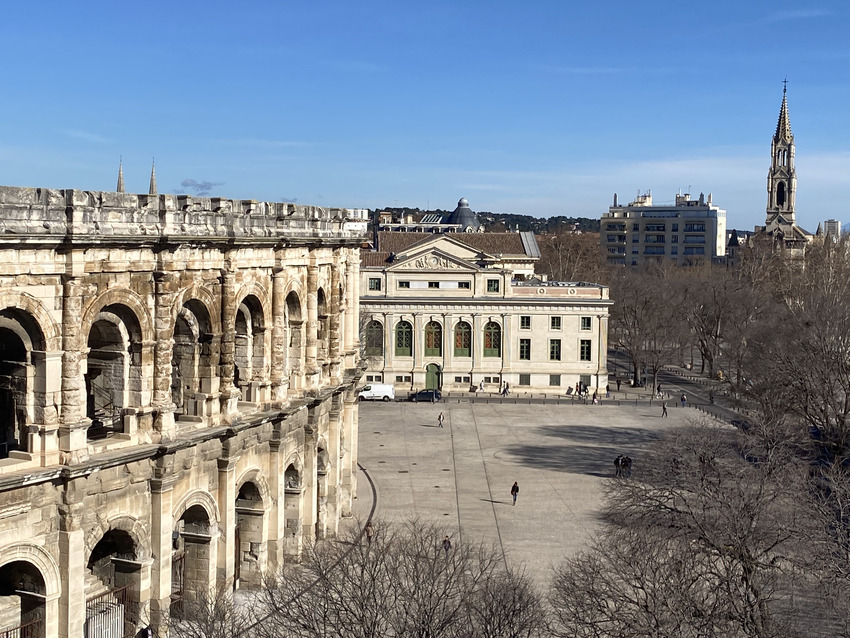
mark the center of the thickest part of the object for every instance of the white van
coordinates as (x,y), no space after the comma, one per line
(376,391)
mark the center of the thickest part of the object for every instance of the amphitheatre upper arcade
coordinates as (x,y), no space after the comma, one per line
(177,405)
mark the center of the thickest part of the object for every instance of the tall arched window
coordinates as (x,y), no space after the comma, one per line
(373,339)
(492,340)
(403,339)
(780,194)
(433,339)
(463,340)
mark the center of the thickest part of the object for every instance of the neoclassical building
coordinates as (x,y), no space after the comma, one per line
(461,309)
(177,399)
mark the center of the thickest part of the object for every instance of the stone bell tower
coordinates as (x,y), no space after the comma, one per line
(782,178)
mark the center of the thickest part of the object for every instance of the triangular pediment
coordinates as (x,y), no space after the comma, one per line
(448,245)
(431,260)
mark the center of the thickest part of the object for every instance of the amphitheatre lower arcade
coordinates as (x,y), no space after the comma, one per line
(177,404)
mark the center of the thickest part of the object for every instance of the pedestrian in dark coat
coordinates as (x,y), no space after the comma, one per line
(514,491)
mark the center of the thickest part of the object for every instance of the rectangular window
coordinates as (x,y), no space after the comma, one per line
(466,379)
(695,228)
(653,250)
(374,283)
(554,323)
(674,239)
(694,239)
(463,285)
(654,228)
(674,250)
(458,379)
(492,285)
(635,227)
(433,284)
(586,323)
(524,379)
(525,322)
(694,250)
(635,239)
(399,379)
(404,284)
(554,349)
(554,380)
(675,228)
(584,346)
(585,380)
(615,227)
(525,349)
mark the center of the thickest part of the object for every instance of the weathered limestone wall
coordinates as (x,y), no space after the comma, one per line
(182,374)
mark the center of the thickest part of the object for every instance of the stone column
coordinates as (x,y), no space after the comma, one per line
(353,293)
(74,427)
(280,382)
(335,458)
(45,439)
(602,366)
(352,320)
(309,476)
(164,287)
(313,370)
(72,561)
(334,302)
(229,393)
(348,456)
(507,344)
(277,494)
(389,347)
(162,526)
(418,350)
(227,527)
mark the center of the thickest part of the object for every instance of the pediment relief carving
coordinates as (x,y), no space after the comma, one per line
(434,261)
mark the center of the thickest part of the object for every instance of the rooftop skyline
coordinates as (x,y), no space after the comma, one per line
(542,109)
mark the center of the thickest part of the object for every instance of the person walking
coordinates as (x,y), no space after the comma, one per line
(447,545)
(684,399)
(514,491)
(663,410)
(369,531)
(618,466)
(607,391)
(440,419)
(481,386)
(618,384)
(627,466)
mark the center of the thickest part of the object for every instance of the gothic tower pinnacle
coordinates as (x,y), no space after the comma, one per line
(120,187)
(782,177)
(152,189)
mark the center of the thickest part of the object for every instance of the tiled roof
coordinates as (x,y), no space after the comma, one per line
(490,243)
(368,259)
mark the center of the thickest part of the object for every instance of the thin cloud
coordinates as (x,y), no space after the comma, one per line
(86,136)
(201,189)
(797,14)
(288,200)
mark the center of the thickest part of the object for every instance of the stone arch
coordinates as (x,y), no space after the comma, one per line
(260,291)
(34,308)
(252,345)
(119,297)
(201,498)
(255,476)
(135,528)
(295,314)
(206,298)
(42,560)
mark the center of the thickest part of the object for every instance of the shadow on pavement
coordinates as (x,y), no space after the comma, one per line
(586,449)
(495,502)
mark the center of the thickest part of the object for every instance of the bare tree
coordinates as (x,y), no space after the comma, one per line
(402,583)
(572,257)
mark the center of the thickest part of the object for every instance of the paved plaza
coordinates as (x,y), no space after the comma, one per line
(461,475)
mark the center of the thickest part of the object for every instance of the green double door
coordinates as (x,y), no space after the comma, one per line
(433,377)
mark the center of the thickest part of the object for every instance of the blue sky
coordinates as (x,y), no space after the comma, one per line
(540,108)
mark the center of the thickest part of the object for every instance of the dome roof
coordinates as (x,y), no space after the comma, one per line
(464,216)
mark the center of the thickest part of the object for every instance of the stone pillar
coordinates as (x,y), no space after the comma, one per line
(162,526)
(602,365)
(227,526)
(389,347)
(507,344)
(335,441)
(353,292)
(72,561)
(49,379)
(334,334)
(309,476)
(277,512)
(229,393)
(313,370)
(164,292)
(418,351)
(74,427)
(348,455)
(280,382)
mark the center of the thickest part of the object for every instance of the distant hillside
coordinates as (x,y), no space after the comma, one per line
(499,222)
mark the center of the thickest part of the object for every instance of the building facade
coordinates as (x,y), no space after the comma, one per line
(685,232)
(459,310)
(177,399)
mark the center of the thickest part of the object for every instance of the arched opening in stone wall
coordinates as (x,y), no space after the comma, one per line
(191,560)
(322,468)
(112,581)
(249,355)
(191,362)
(113,376)
(22,379)
(251,549)
(293,489)
(295,348)
(22,600)
(322,331)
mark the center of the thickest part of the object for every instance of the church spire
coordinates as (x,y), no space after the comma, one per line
(152,190)
(120,187)
(783,126)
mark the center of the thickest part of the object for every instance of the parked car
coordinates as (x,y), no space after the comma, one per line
(426,396)
(378,392)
